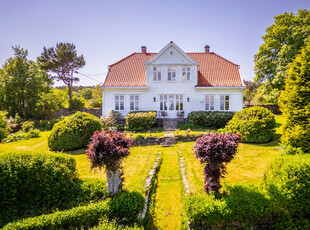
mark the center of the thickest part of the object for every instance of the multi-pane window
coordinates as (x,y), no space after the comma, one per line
(171,102)
(224,102)
(119,102)
(209,102)
(134,102)
(172,76)
(156,73)
(186,73)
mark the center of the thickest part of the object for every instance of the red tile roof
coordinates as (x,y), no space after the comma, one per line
(213,71)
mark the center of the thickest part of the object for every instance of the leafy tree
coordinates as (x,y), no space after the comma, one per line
(4,126)
(21,83)
(282,42)
(108,149)
(215,151)
(86,93)
(250,91)
(295,102)
(48,105)
(64,61)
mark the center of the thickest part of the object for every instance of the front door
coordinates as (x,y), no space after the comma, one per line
(172,104)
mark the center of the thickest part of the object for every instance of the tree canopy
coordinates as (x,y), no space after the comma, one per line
(21,83)
(282,42)
(63,61)
(295,102)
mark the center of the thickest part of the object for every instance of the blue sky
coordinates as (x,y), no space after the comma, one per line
(107,31)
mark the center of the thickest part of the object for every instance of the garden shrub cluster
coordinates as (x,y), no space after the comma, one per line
(21,135)
(141,119)
(85,216)
(76,103)
(73,132)
(47,125)
(34,183)
(255,124)
(114,120)
(287,181)
(241,205)
(213,119)
(27,125)
(105,224)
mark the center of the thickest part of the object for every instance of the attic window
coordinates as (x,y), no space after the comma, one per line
(171,52)
(172,76)
(156,74)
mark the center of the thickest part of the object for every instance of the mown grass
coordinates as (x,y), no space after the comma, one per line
(246,168)
(136,166)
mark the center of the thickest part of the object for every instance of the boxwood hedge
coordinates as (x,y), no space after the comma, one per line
(141,119)
(36,183)
(213,119)
(73,132)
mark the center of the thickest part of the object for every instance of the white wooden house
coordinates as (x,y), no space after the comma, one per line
(172,81)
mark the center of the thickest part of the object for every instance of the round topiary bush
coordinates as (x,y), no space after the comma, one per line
(287,181)
(73,132)
(255,124)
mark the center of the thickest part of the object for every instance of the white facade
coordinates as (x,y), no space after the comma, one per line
(174,91)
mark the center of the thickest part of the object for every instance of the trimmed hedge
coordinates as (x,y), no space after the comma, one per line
(213,119)
(34,183)
(242,206)
(105,224)
(141,119)
(287,180)
(255,124)
(73,132)
(85,216)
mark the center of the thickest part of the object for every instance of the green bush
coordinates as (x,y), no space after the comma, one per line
(287,181)
(114,120)
(145,119)
(73,132)
(105,224)
(91,189)
(4,126)
(125,207)
(76,104)
(255,124)
(295,102)
(76,218)
(34,183)
(27,125)
(242,205)
(213,119)
(20,135)
(47,125)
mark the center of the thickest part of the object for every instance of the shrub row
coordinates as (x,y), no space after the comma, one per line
(34,183)
(73,132)
(282,203)
(87,216)
(241,205)
(255,124)
(213,119)
(47,125)
(141,119)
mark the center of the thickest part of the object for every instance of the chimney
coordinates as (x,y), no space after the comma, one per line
(207,49)
(143,49)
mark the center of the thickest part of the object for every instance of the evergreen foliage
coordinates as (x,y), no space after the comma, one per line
(295,102)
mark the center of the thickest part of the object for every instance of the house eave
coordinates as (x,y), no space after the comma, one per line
(210,88)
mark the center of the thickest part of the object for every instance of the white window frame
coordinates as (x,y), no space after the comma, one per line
(186,73)
(136,104)
(210,102)
(224,102)
(172,73)
(117,101)
(166,100)
(157,73)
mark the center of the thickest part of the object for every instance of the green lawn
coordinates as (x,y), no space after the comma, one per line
(247,168)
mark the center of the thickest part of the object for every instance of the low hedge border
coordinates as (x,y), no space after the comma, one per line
(123,207)
(142,141)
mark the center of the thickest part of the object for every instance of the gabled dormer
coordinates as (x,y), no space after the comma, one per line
(171,65)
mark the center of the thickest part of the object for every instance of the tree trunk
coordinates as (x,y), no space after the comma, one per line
(114,181)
